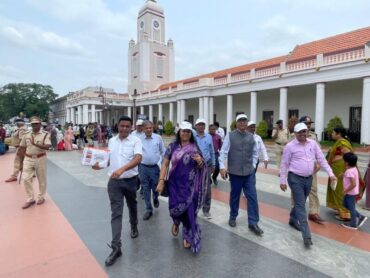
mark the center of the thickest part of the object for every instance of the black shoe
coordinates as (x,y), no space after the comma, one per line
(294,225)
(215,182)
(147,215)
(156,203)
(113,256)
(307,242)
(232,223)
(134,231)
(255,229)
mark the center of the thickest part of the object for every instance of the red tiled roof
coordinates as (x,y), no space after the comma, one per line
(350,40)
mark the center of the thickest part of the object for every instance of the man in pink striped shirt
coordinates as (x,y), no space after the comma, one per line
(297,167)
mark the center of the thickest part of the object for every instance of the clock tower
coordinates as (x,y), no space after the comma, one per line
(150,59)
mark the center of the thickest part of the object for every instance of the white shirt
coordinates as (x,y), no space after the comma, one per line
(122,152)
(153,149)
(220,131)
(136,133)
(261,147)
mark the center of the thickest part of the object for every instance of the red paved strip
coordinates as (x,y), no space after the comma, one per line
(39,241)
(358,239)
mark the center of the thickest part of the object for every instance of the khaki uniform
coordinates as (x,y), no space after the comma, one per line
(313,198)
(16,140)
(36,163)
(280,141)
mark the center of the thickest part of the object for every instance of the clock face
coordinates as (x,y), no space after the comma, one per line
(142,24)
(155,24)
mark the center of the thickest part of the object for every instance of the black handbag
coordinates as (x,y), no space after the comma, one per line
(164,192)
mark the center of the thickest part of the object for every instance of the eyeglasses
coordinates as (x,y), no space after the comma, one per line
(186,130)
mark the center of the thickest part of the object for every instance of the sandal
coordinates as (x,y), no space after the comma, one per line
(175,230)
(187,245)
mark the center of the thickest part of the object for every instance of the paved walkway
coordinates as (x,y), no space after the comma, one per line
(67,236)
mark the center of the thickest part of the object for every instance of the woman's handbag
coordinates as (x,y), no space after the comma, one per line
(164,192)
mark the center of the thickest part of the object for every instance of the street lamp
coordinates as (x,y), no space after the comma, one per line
(104,101)
(134,113)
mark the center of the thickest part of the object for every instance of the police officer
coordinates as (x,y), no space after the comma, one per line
(33,146)
(16,140)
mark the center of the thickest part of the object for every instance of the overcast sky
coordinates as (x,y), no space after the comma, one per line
(72,44)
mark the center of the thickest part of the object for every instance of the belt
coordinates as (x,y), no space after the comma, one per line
(35,155)
(149,166)
(308,177)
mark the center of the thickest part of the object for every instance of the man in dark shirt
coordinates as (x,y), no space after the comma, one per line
(217,144)
(81,139)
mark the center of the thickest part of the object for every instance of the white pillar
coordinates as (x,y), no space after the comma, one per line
(151,113)
(129,111)
(206,110)
(200,108)
(320,110)
(142,110)
(85,116)
(68,115)
(108,118)
(253,116)
(178,119)
(93,114)
(229,113)
(183,110)
(160,112)
(170,116)
(100,117)
(211,110)
(79,114)
(283,110)
(365,117)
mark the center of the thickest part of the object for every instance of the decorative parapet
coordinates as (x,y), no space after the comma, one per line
(241,76)
(220,80)
(301,65)
(270,71)
(344,56)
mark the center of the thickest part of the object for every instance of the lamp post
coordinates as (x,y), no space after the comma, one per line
(134,114)
(105,103)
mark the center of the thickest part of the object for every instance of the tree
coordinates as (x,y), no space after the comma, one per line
(30,98)
(333,123)
(168,128)
(262,129)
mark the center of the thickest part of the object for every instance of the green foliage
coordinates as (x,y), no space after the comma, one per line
(168,128)
(31,99)
(233,125)
(261,129)
(333,123)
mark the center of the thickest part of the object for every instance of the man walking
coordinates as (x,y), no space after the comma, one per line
(281,137)
(240,150)
(125,153)
(297,168)
(153,151)
(16,140)
(261,149)
(217,144)
(205,144)
(33,149)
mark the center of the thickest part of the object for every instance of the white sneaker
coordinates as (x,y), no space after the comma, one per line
(207,215)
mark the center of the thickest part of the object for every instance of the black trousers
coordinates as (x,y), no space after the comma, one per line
(117,191)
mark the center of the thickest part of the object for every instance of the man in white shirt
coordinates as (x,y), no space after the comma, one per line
(139,129)
(251,127)
(220,131)
(125,152)
(153,151)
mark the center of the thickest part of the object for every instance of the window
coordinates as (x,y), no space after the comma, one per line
(159,63)
(293,112)
(191,119)
(135,65)
(268,117)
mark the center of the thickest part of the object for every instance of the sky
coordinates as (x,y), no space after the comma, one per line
(72,44)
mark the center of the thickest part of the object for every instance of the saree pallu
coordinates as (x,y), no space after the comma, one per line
(334,198)
(186,190)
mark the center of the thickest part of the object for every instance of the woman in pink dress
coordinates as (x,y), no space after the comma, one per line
(68,137)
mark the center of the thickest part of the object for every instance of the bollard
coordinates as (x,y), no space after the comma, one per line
(367,181)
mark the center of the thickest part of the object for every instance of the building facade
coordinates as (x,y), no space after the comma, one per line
(324,78)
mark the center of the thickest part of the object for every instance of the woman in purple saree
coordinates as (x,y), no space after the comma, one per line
(186,185)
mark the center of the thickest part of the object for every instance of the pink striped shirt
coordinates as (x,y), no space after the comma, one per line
(299,158)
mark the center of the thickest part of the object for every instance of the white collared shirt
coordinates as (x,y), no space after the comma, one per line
(122,152)
(261,147)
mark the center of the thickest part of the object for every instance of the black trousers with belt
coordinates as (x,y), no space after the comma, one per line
(118,189)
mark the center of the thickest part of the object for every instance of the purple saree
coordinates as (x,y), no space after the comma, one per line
(186,190)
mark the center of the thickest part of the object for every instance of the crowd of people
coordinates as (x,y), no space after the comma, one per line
(186,169)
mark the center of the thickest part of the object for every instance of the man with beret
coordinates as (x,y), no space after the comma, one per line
(33,148)
(16,140)
(281,136)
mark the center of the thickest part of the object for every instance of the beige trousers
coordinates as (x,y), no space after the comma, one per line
(31,166)
(278,152)
(17,166)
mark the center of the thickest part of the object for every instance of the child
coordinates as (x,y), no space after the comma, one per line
(350,190)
